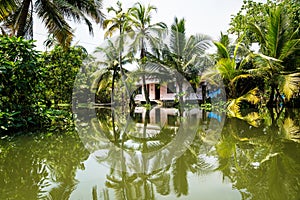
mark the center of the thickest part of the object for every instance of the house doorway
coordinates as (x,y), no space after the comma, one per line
(157,91)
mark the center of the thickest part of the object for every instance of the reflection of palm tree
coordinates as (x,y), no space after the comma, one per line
(188,162)
(134,176)
(41,167)
(257,160)
(139,182)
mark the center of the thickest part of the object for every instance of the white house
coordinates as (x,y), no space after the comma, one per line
(163,92)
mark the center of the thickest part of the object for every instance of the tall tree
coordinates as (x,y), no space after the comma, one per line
(113,63)
(184,54)
(231,60)
(145,31)
(279,42)
(119,22)
(54,14)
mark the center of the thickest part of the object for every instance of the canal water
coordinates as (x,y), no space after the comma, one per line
(158,154)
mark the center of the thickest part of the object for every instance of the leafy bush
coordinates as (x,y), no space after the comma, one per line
(30,80)
(20,87)
(60,69)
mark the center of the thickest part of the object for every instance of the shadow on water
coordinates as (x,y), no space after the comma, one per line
(157,154)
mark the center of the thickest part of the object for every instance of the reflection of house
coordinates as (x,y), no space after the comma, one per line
(166,91)
(159,117)
(155,119)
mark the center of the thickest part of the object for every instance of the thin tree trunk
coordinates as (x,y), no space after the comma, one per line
(121,67)
(145,147)
(113,86)
(203,89)
(23,18)
(270,103)
(146,92)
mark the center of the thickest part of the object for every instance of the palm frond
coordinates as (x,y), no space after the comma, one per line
(290,130)
(273,32)
(211,75)
(6,7)
(90,8)
(241,76)
(289,48)
(222,50)
(259,33)
(55,22)
(226,68)
(289,84)
(77,13)
(237,47)
(178,38)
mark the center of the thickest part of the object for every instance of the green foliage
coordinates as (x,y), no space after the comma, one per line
(262,153)
(29,81)
(253,12)
(19,83)
(60,70)
(275,27)
(17,17)
(250,12)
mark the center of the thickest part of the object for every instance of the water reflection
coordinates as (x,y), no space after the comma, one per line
(244,160)
(39,166)
(262,161)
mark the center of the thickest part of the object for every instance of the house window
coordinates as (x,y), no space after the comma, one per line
(139,90)
(138,117)
(171,88)
(172,119)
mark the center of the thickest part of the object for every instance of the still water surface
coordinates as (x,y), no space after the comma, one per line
(256,156)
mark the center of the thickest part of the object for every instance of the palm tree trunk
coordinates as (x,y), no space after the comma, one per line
(121,67)
(146,92)
(203,89)
(113,86)
(270,103)
(23,18)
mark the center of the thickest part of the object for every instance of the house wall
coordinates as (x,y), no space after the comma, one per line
(165,96)
(151,91)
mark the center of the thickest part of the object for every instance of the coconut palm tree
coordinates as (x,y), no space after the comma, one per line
(278,42)
(119,22)
(229,66)
(145,31)
(54,15)
(113,62)
(184,54)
